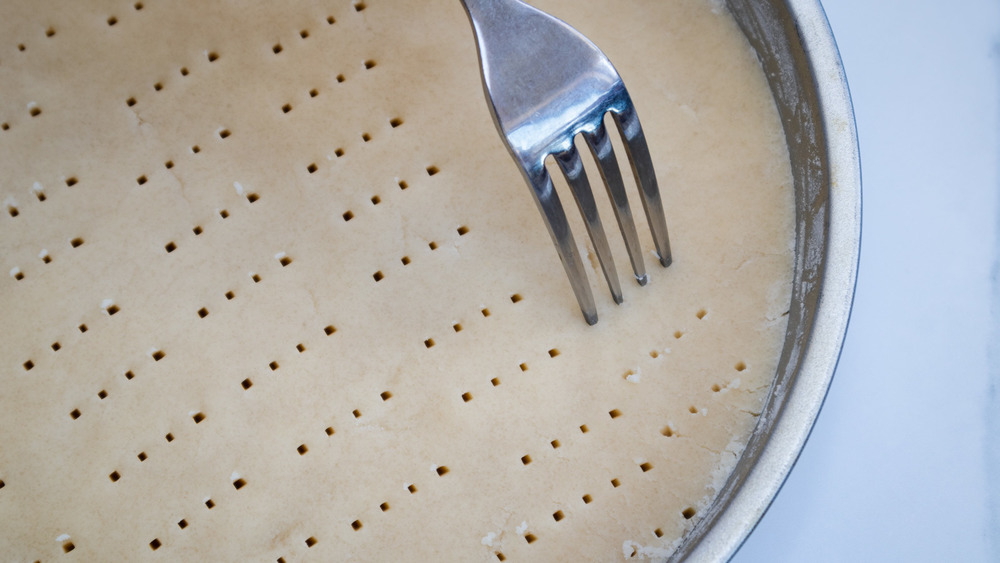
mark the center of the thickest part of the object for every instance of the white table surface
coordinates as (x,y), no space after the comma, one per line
(904,461)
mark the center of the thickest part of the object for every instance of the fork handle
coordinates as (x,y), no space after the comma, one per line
(481,8)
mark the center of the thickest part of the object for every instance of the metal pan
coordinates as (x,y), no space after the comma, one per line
(797,50)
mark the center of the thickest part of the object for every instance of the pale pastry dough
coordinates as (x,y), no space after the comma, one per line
(277,292)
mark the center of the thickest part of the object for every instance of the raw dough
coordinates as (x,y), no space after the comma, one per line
(277,291)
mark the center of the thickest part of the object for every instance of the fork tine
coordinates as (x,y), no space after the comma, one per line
(555,221)
(642,166)
(600,146)
(576,177)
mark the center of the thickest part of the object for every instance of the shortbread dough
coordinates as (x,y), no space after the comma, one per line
(277,291)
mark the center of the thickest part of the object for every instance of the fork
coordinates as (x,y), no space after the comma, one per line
(545,83)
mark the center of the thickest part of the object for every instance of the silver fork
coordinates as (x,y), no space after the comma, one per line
(545,83)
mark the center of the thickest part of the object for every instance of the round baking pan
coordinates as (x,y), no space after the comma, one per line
(795,45)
